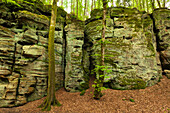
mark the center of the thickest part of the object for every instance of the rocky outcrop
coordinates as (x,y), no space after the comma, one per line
(161,18)
(130,57)
(74,74)
(130,50)
(23,53)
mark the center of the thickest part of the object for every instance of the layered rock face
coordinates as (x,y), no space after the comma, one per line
(74,74)
(161,19)
(23,53)
(130,49)
(130,53)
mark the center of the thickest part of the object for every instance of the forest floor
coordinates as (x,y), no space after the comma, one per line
(154,99)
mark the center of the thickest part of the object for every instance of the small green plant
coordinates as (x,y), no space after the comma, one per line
(131,100)
(123,99)
(82,92)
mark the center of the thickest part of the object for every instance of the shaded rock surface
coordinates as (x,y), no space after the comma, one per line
(127,31)
(23,52)
(131,56)
(161,19)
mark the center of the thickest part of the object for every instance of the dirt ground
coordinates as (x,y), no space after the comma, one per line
(154,99)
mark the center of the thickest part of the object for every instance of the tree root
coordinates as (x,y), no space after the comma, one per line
(46,105)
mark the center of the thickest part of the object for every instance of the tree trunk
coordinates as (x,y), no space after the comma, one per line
(124,3)
(99,4)
(137,4)
(147,7)
(153,4)
(51,99)
(164,3)
(97,91)
(85,9)
(71,5)
(112,3)
(74,6)
(61,2)
(143,1)
(77,7)
(159,3)
(92,6)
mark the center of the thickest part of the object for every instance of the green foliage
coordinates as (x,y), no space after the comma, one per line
(82,92)
(131,100)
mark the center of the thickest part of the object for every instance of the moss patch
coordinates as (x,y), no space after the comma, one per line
(134,83)
(35,15)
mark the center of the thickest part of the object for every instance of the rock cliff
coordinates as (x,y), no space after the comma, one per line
(135,44)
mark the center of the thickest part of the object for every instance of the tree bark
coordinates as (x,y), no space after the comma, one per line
(97,91)
(51,98)
(164,3)
(77,7)
(124,3)
(74,6)
(99,4)
(85,9)
(112,3)
(143,1)
(147,6)
(159,3)
(137,4)
(92,6)
(153,4)
(61,2)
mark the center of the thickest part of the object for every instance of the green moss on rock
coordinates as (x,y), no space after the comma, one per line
(34,15)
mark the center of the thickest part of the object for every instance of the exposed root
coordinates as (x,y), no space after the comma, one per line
(46,105)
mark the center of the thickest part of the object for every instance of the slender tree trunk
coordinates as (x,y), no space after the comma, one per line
(97,91)
(77,6)
(51,98)
(112,2)
(164,3)
(153,4)
(74,11)
(143,1)
(61,2)
(133,3)
(124,3)
(85,9)
(159,3)
(137,4)
(92,6)
(147,7)
(71,5)
(99,3)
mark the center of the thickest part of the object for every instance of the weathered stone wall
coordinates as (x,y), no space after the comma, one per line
(131,54)
(74,41)
(23,53)
(161,18)
(130,51)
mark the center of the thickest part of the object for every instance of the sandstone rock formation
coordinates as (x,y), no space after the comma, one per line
(130,51)
(23,53)
(132,38)
(161,18)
